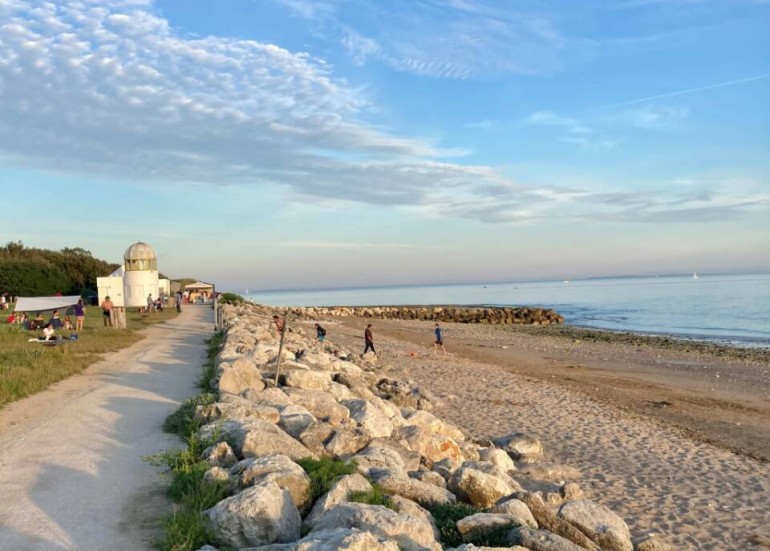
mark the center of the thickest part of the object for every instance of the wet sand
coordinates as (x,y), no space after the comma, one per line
(675,437)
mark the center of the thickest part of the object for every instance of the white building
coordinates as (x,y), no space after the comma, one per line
(130,284)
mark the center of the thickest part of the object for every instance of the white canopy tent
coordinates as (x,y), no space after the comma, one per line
(42,304)
(199,286)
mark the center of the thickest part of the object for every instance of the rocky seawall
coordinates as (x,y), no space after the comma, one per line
(495,315)
(439,487)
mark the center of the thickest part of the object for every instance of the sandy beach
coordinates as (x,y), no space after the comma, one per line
(673,437)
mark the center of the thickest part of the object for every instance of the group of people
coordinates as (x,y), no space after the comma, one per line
(368,335)
(56,321)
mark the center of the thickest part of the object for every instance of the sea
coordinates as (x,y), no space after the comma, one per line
(729,309)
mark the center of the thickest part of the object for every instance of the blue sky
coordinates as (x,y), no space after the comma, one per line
(325,143)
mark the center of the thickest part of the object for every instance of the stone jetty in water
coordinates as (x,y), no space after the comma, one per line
(415,482)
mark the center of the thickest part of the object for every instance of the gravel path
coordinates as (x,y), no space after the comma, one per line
(72,474)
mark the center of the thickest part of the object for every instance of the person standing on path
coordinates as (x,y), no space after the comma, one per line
(107,311)
(179,301)
(439,339)
(369,340)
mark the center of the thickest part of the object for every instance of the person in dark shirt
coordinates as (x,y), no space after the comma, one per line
(320,333)
(369,340)
(439,339)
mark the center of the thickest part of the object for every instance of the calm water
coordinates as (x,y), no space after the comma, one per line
(725,308)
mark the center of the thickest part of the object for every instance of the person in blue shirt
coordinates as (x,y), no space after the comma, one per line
(439,339)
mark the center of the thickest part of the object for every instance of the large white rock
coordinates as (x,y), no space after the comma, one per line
(369,417)
(321,404)
(518,510)
(344,443)
(239,376)
(481,489)
(309,380)
(220,455)
(370,460)
(256,516)
(410,532)
(263,438)
(499,458)
(599,523)
(338,493)
(295,419)
(341,392)
(273,397)
(275,468)
(541,540)
(433,447)
(423,493)
(334,539)
(428,421)
(520,446)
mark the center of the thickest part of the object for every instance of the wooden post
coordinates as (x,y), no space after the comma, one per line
(216,311)
(280,350)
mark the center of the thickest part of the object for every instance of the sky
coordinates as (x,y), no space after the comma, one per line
(278,144)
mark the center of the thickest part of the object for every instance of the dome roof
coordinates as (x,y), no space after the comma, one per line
(139,251)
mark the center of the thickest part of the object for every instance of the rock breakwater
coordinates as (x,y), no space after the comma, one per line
(415,483)
(495,315)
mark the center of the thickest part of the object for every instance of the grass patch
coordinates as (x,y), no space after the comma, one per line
(322,472)
(182,421)
(210,367)
(494,537)
(375,496)
(446,516)
(27,367)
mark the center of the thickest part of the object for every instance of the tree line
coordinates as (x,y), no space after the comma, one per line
(26,271)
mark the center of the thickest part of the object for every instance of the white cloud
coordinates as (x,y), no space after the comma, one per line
(457,39)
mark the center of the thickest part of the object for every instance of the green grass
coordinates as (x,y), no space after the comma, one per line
(27,367)
(375,496)
(446,516)
(324,471)
(210,367)
(182,421)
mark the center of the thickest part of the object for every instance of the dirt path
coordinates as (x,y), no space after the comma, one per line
(71,469)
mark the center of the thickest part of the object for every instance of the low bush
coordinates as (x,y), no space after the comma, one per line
(375,496)
(230,298)
(446,516)
(182,421)
(210,367)
(322,472)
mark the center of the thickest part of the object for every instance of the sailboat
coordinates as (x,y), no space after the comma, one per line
(695,275)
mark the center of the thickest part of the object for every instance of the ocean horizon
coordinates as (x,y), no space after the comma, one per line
(725,308)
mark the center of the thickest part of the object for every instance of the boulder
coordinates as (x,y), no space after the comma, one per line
(516,509)
(256,516)
(651,543)
(430,477)
(434,425)
(549,521)
(412,460)
(406,393)
(338,493)
(479,488)
(241,374)
(427,495)
(216,474)
(369,417)
(264,438)
(220,455)
(344,443)
(434,447)
(275,468)
(308,380)
(499,458)
(446,467)
(315,437)
(483,522)
(570,491)
(541,540)
(520,446)
(334,539)
(340,392)
(597,522)
(321,404)
(273,397)
(410,532)
(370,460)
(295,419)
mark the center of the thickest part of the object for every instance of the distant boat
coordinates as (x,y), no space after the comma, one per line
(695,275)
(566,281)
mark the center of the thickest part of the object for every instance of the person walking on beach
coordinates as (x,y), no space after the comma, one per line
(369,340)
(320,333)
(107,311)
(439,339)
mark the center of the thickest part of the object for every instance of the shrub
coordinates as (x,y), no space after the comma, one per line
(375,496)
(322,472)
(446,516)
(494,537)
(230,298)
(209,368)
(182,421)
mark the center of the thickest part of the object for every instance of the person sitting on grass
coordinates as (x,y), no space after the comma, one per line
(56,320)
(49,334)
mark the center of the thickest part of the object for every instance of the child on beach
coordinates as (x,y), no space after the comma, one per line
(320,333)
(439,340)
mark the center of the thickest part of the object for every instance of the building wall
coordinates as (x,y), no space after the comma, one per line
(139,284)
(112,287)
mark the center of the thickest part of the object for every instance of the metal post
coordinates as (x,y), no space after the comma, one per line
(216,306)
(280,350)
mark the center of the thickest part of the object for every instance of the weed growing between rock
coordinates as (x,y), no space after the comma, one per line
(446,516)
(322,472)
(375,496)
(210,367)
(182,421)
